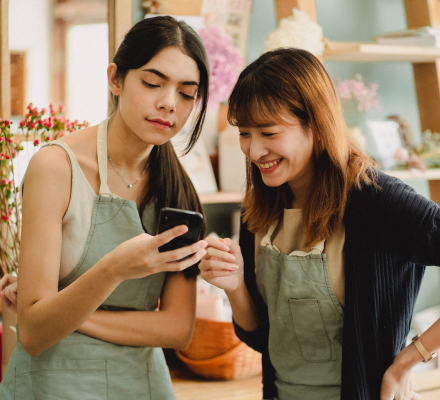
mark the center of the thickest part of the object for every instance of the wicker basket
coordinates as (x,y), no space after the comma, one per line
(216,352)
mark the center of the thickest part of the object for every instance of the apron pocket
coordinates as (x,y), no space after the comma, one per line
(61,379)
(310,330)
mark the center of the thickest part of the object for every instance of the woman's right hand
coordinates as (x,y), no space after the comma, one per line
(139,257)
(8,291)
(222,266)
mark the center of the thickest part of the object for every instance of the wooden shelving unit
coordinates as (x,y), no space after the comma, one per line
(221,197)
(373,52)
(430,174)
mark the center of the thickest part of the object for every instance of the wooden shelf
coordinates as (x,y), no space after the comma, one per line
(372,52)
(220,197)
(430,174)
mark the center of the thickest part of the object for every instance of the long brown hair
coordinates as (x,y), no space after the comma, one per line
(168,185)
(294,81)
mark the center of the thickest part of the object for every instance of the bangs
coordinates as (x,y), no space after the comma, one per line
(252,103)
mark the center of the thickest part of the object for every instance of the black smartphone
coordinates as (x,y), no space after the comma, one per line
(171,217)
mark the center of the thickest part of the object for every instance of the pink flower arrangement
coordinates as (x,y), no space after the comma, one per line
(37,129)
(356,97)
(224,60)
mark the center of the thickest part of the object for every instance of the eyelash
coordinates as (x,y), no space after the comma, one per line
(262,134)
(151,86)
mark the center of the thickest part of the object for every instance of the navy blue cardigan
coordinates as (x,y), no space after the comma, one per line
(391,234)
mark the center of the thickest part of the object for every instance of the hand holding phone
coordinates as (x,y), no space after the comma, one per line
(171,217)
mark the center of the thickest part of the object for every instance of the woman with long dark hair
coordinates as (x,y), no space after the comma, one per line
(90,271)
(332,251)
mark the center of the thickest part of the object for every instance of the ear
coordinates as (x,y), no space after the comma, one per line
(114,84)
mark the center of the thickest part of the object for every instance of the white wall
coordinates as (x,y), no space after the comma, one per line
(30,25)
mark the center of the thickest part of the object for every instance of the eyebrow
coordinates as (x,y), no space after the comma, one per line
(163,76)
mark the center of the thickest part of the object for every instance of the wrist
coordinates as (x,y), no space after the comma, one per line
(240,288)
(108,268)
(407,359)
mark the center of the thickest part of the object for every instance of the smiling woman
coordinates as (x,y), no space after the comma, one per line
(332,251)
(90,270)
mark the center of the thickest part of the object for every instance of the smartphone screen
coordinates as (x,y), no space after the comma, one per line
(171,217)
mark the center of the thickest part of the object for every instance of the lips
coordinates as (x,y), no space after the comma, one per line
(160,123)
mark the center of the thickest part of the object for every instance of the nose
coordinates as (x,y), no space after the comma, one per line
(167,101)
(256,148)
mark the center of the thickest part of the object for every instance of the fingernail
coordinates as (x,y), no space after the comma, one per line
(226,248)
(203,244)
(231,257)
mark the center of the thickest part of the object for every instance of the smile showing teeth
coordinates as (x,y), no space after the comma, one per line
(269,165)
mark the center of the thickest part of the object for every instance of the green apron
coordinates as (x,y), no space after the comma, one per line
(306,320)
(80,367)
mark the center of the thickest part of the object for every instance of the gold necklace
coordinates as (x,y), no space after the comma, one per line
(128,184)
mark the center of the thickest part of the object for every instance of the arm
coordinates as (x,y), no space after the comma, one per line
(46,316)
(404,222)
(223,267)
(397,378)
(171,327)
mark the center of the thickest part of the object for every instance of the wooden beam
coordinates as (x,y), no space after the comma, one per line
(419,13)
(427,81)
(284,8)
(5,62)
(120,20)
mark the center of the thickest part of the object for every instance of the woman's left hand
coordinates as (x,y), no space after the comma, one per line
(8,291)
(397,383)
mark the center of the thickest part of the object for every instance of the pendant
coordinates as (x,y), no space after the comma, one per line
(130,186)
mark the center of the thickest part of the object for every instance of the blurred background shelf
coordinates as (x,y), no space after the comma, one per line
(373,52)
(430,174)
(221,197)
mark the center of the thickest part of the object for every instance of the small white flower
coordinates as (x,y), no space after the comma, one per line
(299,31)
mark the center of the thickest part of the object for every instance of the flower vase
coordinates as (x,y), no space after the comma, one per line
(9,336)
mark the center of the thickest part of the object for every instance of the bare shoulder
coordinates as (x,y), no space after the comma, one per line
(82,142)
(47,182)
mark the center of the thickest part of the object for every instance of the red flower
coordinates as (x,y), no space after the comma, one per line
(47,138)
(7,122)
(10,183)
(5,217)
(2,155)
(36,142)
(61,108)
(35,110)
(27,115)
(29,107)
(4,181)
(7,156)
(10,211)
(22,124)
(1,139)
(10,140)
(40,122)
(31,125)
